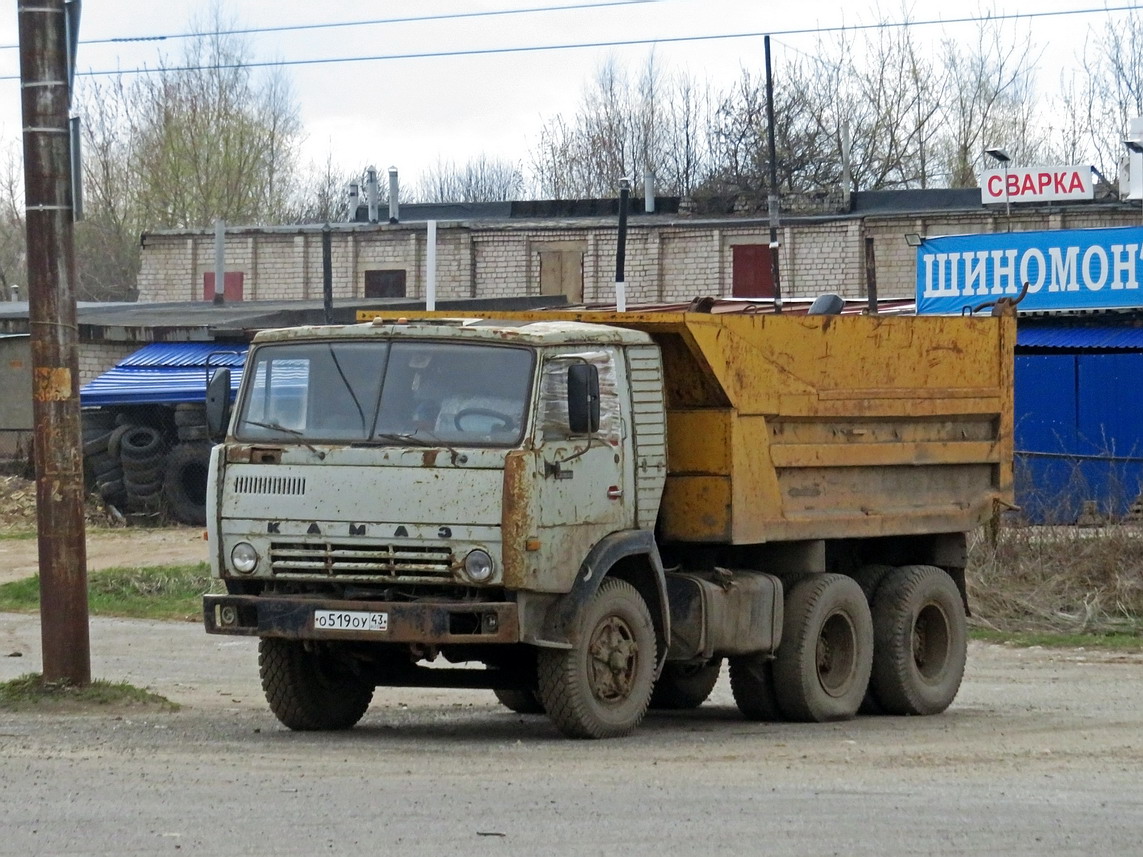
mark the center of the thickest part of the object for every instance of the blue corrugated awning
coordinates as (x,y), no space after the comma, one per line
(1080,338)
(164,372)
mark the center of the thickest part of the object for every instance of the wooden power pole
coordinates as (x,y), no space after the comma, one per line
(46,94)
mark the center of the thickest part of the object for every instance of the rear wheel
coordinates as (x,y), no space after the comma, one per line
(309,686)
(600,688)
(752,684)
(823,663)
(520,701)
(921,641)
(682,686)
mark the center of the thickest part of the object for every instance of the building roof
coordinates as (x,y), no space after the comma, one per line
(1105,337)
(164,373)
(204,321)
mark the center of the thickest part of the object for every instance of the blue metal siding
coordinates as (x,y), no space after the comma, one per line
(1079,338)
(1077,427)
(164,373)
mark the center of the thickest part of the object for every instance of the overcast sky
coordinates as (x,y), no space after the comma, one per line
(409,112)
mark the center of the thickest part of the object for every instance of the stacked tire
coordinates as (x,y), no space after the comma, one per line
(102,468)
(143,453)
(184,482)
(190,421)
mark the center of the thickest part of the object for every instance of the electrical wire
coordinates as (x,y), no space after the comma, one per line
(412,19)
(977,19)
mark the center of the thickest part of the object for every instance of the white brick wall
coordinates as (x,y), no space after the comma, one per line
(667,260)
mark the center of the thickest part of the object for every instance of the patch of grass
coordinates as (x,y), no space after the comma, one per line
(1104,642)
(154,592)
(31,693)
(17,535)
(1058,581)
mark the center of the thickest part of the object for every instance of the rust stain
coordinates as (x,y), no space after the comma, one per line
(51,384)
(516,518)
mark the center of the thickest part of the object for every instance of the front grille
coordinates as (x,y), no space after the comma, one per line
(332,559)
(295,485)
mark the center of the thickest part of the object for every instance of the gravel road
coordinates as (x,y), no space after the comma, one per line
(1041,754)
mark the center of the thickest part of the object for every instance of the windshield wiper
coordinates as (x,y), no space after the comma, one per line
(413,440)
(410,439)
(300,435)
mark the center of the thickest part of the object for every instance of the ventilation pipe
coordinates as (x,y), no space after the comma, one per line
(394,190)
(353,199)
(371,192)
(649,192)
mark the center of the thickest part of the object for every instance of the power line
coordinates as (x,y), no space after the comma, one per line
(285,28)
(603,44)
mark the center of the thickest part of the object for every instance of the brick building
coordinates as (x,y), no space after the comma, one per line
(523,249)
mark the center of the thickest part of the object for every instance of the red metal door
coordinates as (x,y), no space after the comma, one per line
(752,277)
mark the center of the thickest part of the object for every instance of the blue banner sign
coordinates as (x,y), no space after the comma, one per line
(1064,269)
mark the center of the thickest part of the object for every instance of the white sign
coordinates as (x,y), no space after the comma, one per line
(1036,184)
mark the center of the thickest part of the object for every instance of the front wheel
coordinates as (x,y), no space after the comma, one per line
(309,687)
(601,686)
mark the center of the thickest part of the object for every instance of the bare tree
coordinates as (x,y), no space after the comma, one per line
(624,127)
(988,101)
(480,179)
(209,140)
(321,195)
(1110,93)
(13,256)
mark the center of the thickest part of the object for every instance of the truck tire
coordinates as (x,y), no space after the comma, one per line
(190,414)
(869,578)
(601,686)
(921,641)
(822,667)
(184,482)
(752,684)
(520,701)
(140,443)
(684,686)
(308,688)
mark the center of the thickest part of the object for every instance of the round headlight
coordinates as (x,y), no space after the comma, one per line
(244,558)
(478,566)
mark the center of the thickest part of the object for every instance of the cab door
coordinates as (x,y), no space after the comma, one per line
(582,480)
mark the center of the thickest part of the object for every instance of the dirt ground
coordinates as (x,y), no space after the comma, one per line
(1042,753)
(108,548)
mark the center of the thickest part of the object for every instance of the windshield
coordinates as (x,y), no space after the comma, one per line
(387,392)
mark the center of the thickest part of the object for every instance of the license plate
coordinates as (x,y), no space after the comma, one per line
(350,620)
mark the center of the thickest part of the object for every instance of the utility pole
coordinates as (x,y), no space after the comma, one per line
(46,96)
(775,272)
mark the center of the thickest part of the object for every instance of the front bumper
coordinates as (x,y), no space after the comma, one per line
(406,622)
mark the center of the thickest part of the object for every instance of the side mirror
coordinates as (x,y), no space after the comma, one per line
(583,398)
(218,403)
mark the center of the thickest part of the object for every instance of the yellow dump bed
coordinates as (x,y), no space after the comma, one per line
(789,426)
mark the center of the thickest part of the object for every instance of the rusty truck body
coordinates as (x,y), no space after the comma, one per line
(600,509)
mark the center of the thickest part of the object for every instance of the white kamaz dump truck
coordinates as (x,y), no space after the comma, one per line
(588,513)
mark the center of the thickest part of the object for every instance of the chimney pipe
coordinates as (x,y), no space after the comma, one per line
(649,192)
(371,192)
(353,192)
(394,189)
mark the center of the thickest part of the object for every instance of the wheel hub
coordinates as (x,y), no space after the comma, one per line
(614,660)
(835,654)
